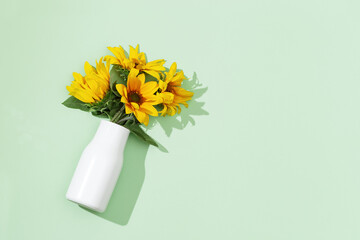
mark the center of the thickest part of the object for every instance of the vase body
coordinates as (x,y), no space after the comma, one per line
(99,167)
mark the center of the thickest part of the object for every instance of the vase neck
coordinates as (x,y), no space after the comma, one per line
(111,133)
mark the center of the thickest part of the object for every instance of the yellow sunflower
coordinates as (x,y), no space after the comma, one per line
(136,60)
(120,58)
(94,85)
(172,93)
(139,97)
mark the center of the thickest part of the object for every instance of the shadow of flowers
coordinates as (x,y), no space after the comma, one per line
(180,121)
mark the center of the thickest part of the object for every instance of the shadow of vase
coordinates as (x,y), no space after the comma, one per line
(132,175)
(129,184)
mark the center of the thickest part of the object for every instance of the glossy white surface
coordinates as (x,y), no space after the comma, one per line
(99,167)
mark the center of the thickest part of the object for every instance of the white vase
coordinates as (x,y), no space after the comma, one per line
(99,167)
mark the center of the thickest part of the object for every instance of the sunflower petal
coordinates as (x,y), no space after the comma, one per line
(89,69)
(112,60)
(128,109)
(146,121)
(135,105)
(149,109)
(167,97)
(119,54)
(121,90)
(172,71)
(141,78)
(149,88)
(140,116)
(134,52)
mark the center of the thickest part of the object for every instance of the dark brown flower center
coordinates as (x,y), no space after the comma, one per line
(169,88)
(134,97)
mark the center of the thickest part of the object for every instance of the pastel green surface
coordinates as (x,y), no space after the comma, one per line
(272,154)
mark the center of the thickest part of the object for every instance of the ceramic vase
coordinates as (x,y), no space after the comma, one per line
(99,167)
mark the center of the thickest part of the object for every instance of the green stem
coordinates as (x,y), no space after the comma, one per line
(124,119)
(117,115)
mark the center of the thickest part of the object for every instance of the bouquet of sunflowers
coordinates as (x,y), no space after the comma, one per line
(127,89)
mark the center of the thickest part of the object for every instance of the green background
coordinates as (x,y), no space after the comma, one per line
(267,150)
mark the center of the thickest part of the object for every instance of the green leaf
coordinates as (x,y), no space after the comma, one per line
(106,107)
(139,132)
(117,76)
(149,78)
(100,114)
(73,102)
